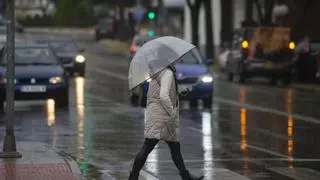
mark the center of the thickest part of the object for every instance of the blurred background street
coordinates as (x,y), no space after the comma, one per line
(248,128)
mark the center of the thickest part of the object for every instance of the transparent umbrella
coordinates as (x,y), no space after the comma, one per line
(154,56)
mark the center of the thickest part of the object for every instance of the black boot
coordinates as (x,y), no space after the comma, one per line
(133,177)
(187,176)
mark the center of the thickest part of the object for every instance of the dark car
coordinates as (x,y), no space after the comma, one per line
(139,41)
(19,27)
(307,60)
(71,56)
(38,75)
(105,29)
(261,52)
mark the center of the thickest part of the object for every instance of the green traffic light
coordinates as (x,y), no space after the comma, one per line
(151,33)
(151,15)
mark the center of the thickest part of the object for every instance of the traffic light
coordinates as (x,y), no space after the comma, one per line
(151,15)
(151,33)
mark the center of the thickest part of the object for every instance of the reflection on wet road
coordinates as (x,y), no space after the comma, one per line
(251,132)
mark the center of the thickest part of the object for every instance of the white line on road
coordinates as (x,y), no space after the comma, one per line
(236,159)
(264,150)
(147,175)
(268,110)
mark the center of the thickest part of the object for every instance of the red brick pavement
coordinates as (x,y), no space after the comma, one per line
(59,171)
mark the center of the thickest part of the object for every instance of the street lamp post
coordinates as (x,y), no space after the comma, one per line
(9,144)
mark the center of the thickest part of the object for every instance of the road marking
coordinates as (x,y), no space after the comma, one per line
(297,173)
(264,150)
(109,73)
(148,175)
(268,110)
(236,159)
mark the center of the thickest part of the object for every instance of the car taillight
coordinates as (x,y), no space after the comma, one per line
(133,48)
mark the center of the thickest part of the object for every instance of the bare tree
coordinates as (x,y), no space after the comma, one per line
(195,10)
(210,50)
(264,12)
(299,10)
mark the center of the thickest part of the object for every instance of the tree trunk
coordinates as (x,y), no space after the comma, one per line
(268,4)
(249,10)
(227,23)
(195,10)
(195,26)
(210,50)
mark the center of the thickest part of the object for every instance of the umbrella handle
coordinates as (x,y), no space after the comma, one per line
(184,93)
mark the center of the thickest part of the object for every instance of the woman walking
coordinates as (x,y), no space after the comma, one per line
(162,122)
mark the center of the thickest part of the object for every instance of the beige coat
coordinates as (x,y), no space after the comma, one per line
(162,112)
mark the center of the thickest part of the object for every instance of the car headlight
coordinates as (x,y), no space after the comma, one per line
(80,59)
(55,80)
(4,81)
(207,79)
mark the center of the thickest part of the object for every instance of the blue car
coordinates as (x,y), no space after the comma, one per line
(193,74)
(38,75)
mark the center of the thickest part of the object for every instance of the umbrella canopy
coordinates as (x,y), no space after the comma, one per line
(154,56)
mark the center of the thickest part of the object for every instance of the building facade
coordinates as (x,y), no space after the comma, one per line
(34,8)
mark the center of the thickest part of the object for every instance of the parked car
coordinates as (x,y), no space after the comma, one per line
(262,52)
(105,29)
(193,74)
(307,60)
(38,75)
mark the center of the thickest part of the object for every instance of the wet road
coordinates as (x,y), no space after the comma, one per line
(251,132)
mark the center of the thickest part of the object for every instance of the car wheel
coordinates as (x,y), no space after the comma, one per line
(273,81)
(242,79)
(230,76)
(134,100)
(82,73)
(1,107)
(143,102)
(193,104)
(98,37)
(62,100)
(207,103)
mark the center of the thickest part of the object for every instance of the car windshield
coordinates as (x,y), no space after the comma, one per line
(105,23)
(141,41)
(32,56)
(63,46)
(192,57)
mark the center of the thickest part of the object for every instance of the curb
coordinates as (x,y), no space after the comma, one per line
(75,169)
(306,88)
(60,30)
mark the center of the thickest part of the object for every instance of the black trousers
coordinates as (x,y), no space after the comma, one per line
(148,146)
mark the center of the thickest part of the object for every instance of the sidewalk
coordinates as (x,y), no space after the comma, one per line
(38,163)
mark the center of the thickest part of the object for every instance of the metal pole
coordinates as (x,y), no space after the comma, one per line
(9,145)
